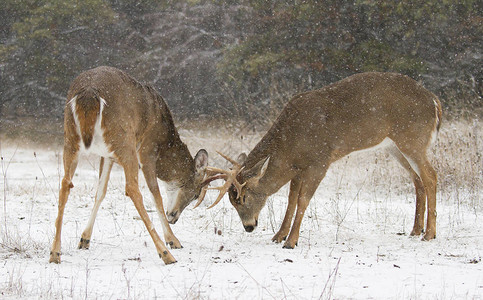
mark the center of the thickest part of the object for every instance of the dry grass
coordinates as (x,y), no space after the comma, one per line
(457,156)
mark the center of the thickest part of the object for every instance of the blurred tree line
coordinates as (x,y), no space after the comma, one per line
(301,45)
(242,57)
(45,43)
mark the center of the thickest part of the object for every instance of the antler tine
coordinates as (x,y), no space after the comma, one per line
(223,189)
(211,177)
(238,187)
(201,197)
(210,171)
(234,162)
(228,175)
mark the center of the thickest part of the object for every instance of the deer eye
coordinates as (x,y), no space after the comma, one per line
(239,201)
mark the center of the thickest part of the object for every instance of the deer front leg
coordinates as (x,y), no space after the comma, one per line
(310,180)
(135,195)
(104,172)
(293,238)
(292,204)
(151,180)
(132,190)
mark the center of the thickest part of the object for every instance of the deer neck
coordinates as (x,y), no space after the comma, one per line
(261,151)
(280,168)
(175,163)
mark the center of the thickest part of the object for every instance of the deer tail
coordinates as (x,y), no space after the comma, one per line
(87,108)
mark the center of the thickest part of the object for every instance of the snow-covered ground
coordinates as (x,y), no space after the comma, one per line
(354,240)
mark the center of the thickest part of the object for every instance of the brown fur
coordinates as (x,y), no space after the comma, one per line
(317,128)
(87,110)
(138,129)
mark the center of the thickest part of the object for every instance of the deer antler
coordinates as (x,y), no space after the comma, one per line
(228,175)
(201,197)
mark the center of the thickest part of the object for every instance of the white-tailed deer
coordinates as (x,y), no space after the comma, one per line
(111,114)
(319,127)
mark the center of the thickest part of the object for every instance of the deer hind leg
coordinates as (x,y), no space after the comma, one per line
(292,204)
(429,178)
(421,165)
(104,172)
(130,165)
(418,227)
(70,158)
(310,180)
(151,180)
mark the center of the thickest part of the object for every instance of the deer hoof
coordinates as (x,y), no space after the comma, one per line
(278,238)
(289,245)
(429,236)
(54,257)
(84,243)
(167,257)
(174,244)
(416,232)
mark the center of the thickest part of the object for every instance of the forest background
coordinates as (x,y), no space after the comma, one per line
(232,60)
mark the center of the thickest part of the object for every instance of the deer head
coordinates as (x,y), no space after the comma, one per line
(181,194)
(243,187)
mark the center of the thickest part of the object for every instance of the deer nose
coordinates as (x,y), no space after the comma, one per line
(172,217)
(249,228)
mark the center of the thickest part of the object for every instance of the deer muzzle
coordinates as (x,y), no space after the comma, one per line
(251,226)
(173,216)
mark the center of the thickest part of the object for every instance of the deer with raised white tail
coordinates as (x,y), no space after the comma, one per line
(319,127)
(110,114)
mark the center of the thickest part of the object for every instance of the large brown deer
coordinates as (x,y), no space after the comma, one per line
(319,127)
(110,114)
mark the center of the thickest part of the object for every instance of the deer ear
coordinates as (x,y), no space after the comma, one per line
(264,167)
(257,172)
(201,160)
(241,159)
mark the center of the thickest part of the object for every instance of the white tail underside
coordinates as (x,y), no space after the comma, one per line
(98,145)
